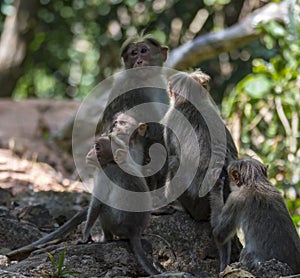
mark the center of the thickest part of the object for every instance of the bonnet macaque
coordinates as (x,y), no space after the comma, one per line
(183,88)
(258,208)
(108,153)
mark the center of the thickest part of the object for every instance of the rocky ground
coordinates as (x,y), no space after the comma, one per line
(39,191)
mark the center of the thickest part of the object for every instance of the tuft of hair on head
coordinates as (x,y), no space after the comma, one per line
(138,38)
(251,171)
(202,78)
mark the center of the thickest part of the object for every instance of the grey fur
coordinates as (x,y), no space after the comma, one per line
(259,209)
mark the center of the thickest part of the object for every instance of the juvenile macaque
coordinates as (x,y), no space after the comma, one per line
(101,153)
(131,132)
(258,208)
(183,88)
(201,77)
(115,222)
(140,138)
(125,128)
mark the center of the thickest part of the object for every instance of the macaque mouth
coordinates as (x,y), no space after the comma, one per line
(92,162)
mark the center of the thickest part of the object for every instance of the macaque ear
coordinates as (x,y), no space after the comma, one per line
(235,177)
(120,156)
(205,85)
(142,129)
(164,52)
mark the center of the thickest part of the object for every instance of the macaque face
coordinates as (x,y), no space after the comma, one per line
(127,127)
(139,55)
(124,124)
(148,52)
(100,153)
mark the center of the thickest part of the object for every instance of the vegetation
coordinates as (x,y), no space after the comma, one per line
(265,105)
(61,270)
(76,43)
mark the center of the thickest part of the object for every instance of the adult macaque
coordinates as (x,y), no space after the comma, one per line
(258,208)
(142,84)
(141,52)
(115,222)
(183,88)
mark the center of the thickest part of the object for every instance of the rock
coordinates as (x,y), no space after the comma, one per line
(232,272)
(183,246)
(29,128)
(272,269)
(21,175)
(5,198)
(38,215)
(3,260)
(14,234)
(112,259)
(269,269)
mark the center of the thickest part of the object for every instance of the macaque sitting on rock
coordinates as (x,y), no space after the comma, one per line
(258,208)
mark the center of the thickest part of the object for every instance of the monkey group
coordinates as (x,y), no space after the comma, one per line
(232,193)
(249,197)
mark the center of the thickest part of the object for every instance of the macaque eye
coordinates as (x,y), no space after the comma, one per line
(134,52)
(97,148)
(122,123)
(144,50)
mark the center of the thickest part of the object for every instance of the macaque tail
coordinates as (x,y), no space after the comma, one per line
(59,233)
(139,252)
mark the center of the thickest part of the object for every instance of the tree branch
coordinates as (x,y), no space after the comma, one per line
(17,33)
(210,45)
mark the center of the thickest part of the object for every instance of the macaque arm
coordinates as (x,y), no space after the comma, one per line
(217,205)
(216,202)
(173,148)
(228,220)
(93,213)
(173,163)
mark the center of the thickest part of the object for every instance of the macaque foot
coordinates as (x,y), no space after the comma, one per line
(84,240)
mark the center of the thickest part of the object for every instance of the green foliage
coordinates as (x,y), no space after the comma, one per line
(216,2)
(77,42)
(267,104)
(59,269)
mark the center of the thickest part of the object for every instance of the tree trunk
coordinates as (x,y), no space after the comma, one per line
(208,46)
(17,33)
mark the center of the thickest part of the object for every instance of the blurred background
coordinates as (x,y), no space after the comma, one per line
(61,49)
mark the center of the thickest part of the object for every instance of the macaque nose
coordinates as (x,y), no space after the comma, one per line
(91,152)
(139,61)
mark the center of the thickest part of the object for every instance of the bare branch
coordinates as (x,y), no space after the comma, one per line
(210,45)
